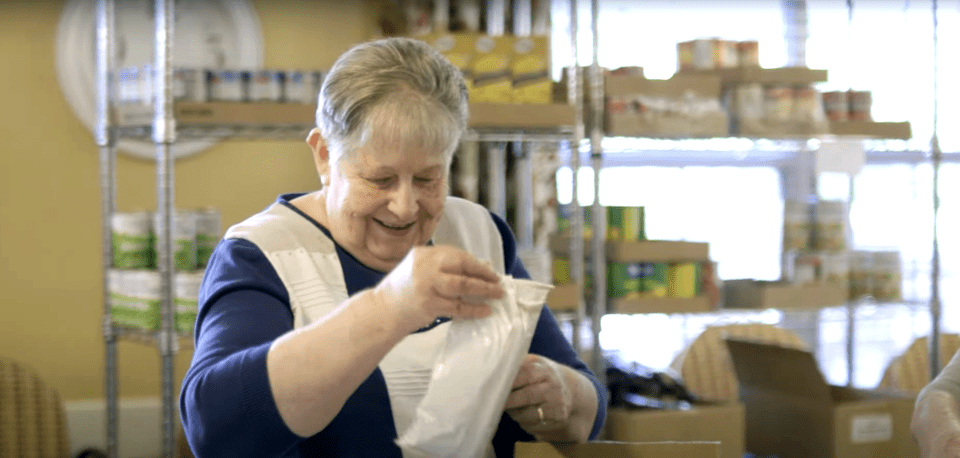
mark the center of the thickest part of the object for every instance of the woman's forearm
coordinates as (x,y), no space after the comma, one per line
(313,370)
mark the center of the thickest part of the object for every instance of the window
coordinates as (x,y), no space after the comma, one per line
(881,46)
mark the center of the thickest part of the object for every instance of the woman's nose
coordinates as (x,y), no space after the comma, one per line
(403,202)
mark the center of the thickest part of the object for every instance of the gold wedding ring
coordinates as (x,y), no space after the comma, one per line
(540,413)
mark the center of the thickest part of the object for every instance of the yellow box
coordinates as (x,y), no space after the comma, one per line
(530,70)
(490,69)
(458,48)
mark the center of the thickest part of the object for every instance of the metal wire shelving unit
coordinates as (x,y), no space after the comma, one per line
(158,123)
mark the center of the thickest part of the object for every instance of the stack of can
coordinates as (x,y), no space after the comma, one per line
(850,105)
(264,85)
(134,282)
(876,274)
(134,85)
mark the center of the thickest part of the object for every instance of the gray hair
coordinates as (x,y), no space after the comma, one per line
(389,90)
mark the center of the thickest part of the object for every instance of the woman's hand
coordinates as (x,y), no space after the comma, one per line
(438,281)
(541,399)
(936,425)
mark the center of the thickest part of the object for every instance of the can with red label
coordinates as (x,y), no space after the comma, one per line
(861,103)
(227,85)
(266,86)
(836,106)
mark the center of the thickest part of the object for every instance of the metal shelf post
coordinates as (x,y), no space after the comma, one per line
(106,140)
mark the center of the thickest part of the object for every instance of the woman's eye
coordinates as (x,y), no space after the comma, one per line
(380,181)
(423,180)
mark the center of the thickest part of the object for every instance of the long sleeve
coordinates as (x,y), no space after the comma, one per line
(226,404)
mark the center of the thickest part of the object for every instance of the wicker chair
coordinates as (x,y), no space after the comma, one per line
(706,367)
(32,418)
(910,371)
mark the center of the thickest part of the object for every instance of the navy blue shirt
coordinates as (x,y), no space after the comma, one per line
(226,404)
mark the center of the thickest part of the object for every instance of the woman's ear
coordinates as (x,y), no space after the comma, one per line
(321,155)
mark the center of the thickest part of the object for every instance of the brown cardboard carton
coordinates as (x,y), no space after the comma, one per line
(549,116)
(641,251)
(618,450)
(897,130)
(792,412)
(723,423)
(753,294)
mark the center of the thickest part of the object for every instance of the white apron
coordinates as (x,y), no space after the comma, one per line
(306,261)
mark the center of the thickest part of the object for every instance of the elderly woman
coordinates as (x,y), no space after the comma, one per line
(319,317)
(936,418)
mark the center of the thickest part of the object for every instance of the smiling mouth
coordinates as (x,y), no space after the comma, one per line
(395,228)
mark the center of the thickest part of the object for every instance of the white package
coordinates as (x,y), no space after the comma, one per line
(473,375)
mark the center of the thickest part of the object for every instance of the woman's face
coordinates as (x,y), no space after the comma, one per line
(383,201)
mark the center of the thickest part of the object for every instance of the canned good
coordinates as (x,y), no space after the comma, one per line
(189,84)
(624,279)
(186,289)
(748,53)
(796,225)
(132,240)
(563,219)
(830,226)
(625,223)
(836,267)
(657,281)
(134,298)
(861,274)
(803,268)
(227,85)
(266,86)
(887,278)
(302,86)
(807,105)
(683,279)
(183,234)
(778,101)
(861,103)
(836,106)
(208,233)
(561,271)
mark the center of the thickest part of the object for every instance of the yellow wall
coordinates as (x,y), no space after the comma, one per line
(50,249)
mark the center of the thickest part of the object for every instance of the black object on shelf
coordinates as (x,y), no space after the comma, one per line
(634,385)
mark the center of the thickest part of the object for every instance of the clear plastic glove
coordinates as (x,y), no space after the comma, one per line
(936,425)
(540,399)
(473,376)
(439,281)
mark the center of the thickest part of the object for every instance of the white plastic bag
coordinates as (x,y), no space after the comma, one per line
(473,376)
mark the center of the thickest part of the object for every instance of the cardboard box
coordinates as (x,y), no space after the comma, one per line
(224,113)
(521,116)
(753,294)
(791,411)
(564,298)
(695,304)
(723,423)
(640,251)
(603,449)
(791,76)
(886,130)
